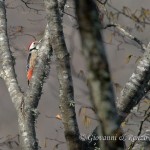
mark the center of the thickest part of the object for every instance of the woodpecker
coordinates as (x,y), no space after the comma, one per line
(31,60)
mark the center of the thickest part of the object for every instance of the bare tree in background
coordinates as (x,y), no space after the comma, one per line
(101,88)
(110,115)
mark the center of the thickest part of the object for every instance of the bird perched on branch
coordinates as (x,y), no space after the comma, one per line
(31,60)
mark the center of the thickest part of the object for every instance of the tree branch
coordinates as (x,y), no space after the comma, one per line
(67,106)
(7,62)
(126,34)
(137,86)
(147,88)
(101,89)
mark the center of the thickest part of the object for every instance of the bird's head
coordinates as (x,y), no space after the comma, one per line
(33,45)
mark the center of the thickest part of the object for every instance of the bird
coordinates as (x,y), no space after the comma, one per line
(31,59)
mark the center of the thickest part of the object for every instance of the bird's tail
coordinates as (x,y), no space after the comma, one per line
(29,74)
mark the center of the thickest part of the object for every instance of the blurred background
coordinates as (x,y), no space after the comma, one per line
(26,23)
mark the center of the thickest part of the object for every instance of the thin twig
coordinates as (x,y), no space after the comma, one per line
(127,34)
(103,3)
(120,12)
(27,5)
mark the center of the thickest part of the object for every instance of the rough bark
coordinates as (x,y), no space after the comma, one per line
(27,103)
(101,89)
(66,92)
(7,71)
